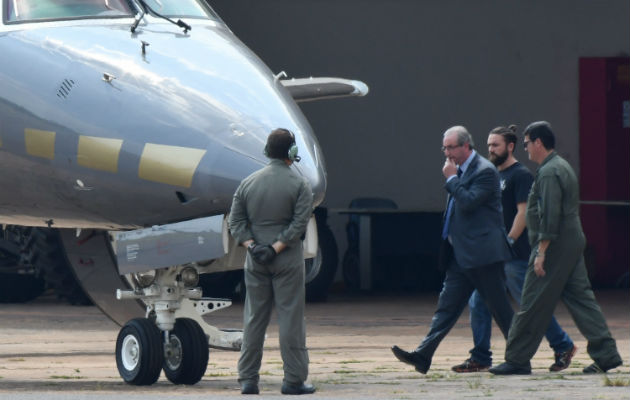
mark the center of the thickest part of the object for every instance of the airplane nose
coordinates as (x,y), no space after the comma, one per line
(229,99)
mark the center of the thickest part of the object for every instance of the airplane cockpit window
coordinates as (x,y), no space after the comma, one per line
(46,10)
(178,8)
(33,10)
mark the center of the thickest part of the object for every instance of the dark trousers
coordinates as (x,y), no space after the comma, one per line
(459,284)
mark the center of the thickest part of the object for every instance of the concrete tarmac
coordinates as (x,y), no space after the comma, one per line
(50,350)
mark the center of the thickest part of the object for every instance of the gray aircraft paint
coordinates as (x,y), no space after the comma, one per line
(204,93)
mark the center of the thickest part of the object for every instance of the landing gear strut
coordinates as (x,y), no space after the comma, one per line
(179,346)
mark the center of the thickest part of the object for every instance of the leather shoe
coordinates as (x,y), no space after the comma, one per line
(595,368)
(249,388)
(511,369)
(411,358)
(288,388)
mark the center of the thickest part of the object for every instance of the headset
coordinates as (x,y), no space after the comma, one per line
(292,153)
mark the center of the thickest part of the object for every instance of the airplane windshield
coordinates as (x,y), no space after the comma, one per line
(178,8)
(40,10)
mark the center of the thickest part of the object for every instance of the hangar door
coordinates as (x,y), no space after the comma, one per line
(605,168)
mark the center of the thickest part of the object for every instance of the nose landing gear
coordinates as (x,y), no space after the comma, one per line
(179,346)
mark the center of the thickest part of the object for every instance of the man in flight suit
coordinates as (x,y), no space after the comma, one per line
(516,180)
(556,265)
(270,211)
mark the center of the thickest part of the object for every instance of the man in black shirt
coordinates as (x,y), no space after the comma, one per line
(516,181)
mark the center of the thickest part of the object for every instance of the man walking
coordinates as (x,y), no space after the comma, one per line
(269,214)
(476,246)
(516,180)
(557,264)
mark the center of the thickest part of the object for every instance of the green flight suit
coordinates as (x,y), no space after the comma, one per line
(273,204)
(553,214)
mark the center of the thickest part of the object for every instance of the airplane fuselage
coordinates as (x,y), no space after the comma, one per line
(104,128)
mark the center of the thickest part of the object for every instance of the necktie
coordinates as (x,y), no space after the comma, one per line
(449,210)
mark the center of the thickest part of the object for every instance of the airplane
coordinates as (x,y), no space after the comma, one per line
(125,128)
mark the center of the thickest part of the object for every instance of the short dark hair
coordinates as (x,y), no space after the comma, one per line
(278,143)
(541,130)
(508,133)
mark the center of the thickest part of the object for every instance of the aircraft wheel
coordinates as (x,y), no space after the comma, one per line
(186,357)
(139,352)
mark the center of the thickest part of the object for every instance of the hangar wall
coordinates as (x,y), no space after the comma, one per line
(430,65)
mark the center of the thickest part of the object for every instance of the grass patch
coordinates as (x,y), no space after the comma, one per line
(352,361)
(333,382)
(616,381)
(344,371)
(16,359)
(66,377)
(219,374)
(410,377)
(474,384)
(548,377)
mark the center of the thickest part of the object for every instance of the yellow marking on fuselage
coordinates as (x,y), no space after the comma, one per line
(40,143)
(99,153)
(172,165)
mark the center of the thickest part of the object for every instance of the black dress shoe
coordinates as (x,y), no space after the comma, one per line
(249,388)
(288,388)
(412,358)
(595,368)
(511,369)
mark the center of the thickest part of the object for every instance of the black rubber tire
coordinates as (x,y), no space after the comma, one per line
(18,288)
(148,338)
(190,367)
(44,250)
(318,287)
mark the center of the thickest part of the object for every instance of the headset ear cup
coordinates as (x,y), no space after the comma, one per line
(293,152)
(265,151)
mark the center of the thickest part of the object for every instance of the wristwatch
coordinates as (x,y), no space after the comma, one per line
(251,245)
(510,241)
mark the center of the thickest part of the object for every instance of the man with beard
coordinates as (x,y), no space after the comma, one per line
(516,181)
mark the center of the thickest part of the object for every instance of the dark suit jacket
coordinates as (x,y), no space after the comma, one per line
(476,229)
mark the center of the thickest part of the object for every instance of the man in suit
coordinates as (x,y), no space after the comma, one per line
(474,237)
